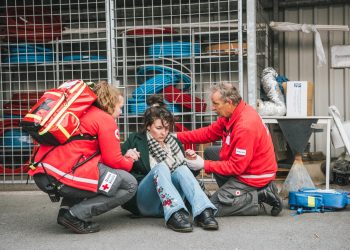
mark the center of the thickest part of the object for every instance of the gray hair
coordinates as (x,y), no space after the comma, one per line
(227,91)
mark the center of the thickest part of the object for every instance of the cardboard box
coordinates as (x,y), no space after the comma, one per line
(225,49)
(299,98)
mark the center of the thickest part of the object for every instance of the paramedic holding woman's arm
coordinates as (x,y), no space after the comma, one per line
(245,166)
(90,174)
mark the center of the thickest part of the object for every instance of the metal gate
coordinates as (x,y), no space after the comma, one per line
(176,48)
(43,43)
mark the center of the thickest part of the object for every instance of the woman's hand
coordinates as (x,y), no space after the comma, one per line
(190,154)
(132,154)
(196,164)
(194,161)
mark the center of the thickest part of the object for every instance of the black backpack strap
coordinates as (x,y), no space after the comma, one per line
(73,138)
(33,165)
(52,188)
(86,160)
(81,137)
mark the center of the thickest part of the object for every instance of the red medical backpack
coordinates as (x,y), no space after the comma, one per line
(55,117)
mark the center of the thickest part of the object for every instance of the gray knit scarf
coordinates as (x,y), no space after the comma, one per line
(160,155)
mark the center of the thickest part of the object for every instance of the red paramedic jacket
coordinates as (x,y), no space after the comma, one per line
(247,151)
(61,160)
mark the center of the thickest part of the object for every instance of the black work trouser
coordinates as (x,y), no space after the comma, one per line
(85,204)
(233,197)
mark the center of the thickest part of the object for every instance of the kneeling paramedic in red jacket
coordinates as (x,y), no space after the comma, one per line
(245,166)
(101,182)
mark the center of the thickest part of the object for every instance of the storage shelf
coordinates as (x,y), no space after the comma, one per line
(139,60)
(223,29)
(79,40)
(17,151)
(78,31)
(233,23)
(81,62)
(174,36)
(230,58)
(11,65)
(132,52)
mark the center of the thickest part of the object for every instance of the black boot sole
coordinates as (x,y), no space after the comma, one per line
(67,224)
(59,217)
(277,210)
(208,227)
(60,223)
(181,230)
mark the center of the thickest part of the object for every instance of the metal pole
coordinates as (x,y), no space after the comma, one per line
(240,51)
(251,52)
(328,152)
(110,30)
(275,41)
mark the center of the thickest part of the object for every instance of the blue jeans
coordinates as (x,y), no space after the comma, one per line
(161,192)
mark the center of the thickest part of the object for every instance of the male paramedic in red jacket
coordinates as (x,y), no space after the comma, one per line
(246,165)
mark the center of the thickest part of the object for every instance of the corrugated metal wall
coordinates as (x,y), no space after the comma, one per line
(297,60)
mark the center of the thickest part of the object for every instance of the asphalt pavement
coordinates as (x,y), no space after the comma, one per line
(28,221)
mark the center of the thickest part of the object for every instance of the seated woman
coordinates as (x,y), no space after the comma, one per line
(163,176)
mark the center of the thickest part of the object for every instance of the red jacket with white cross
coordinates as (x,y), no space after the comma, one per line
(247,151)
(61,161)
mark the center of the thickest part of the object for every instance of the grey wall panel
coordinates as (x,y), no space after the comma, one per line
(336,80)
(347,71)
(292,47)
(298,61)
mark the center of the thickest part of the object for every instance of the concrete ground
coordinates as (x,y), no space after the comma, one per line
(28,221)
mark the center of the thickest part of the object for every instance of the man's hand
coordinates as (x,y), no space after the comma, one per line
(196,164)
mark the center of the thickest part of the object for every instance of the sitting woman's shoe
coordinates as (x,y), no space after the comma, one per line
(178,222)
(206,220)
